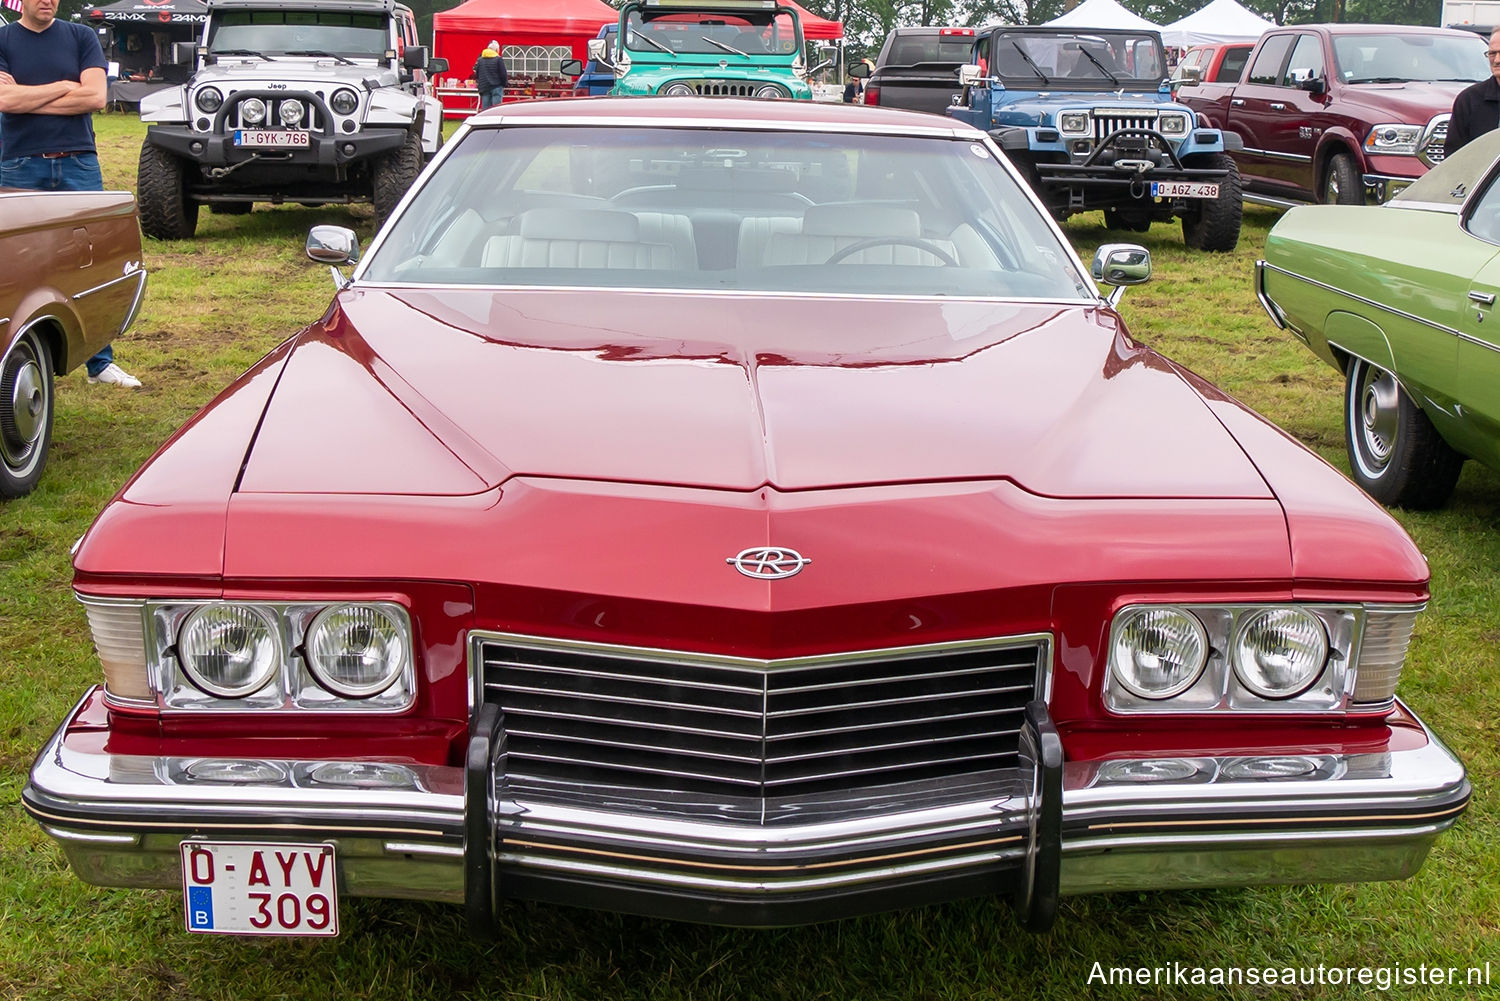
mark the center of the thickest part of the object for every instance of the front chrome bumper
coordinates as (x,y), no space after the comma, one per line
(1125,824)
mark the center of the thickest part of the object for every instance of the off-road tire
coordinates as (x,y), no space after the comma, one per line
(1395,454)
(394,173)
(230,208)
(27,401)
(1126,219)
(167,213)
(1341,183)
(1215,225)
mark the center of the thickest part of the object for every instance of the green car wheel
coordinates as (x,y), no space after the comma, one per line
(1395,453)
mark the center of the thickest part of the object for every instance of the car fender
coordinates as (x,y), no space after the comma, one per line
(168,105)
(392,107)
(49,308)
(1333,141)
(1351,335)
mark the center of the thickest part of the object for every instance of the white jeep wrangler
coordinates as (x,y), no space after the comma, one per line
(292,101)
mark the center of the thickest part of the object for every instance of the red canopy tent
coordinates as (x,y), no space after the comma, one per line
(542,26)
(814,27)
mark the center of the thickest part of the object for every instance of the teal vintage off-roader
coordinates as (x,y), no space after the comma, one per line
(1087,115)
(710,48)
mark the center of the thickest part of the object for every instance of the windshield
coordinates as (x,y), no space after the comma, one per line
(736,35)
(1088,58)
(280,32)
(720,210)
(1405,58)
(909,50)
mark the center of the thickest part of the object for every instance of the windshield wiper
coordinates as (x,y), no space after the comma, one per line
(1382,79)
(1031,62)
(1112,78)
(319,53)
(721,45)
(653,43)
(242,52)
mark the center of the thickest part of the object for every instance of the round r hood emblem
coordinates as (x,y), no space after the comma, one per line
(768,562)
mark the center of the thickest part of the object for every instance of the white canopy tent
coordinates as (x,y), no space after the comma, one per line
(1220,21)
(1101,14)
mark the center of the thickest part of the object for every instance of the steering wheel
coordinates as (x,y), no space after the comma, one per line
(894,241)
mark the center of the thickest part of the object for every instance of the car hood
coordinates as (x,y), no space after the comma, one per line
(451,392)
(1414,102)
(293,71)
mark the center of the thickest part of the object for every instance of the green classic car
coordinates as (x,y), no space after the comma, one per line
(711,48)
(1401,297)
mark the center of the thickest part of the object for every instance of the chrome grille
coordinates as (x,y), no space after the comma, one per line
(1107,122)
(656,720)
(1433,151)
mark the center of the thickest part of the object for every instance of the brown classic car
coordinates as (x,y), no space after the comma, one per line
(71,283)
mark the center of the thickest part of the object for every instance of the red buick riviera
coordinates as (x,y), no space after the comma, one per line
(750,513)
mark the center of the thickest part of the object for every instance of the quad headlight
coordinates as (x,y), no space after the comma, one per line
(678,90)
(1158,652)
(1259,658)
(356,650)
(1279,652)
(770,92)
(229,650)
(252,111)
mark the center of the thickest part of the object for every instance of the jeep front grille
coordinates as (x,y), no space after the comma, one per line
(587,717)
(723,88)
(1107,122)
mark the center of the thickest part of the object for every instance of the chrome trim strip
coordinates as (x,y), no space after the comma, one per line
(1377,305)
(1416,206)
(139,274)
(735,293)
(1273,155)
(1264,298)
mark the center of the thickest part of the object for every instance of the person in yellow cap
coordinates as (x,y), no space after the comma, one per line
(490,77)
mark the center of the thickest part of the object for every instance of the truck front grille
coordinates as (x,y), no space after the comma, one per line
(654,721)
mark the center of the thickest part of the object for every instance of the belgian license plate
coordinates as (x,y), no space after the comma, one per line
(1184,189)
(273,138)
(255,888)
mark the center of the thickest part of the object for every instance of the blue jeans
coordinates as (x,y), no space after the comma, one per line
(79,172)
(490,98)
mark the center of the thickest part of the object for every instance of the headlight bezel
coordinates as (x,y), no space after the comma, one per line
(337,686)
(678,89)
(1181,123)
(770,92)
(208,100)
(197,677)
(1074,122)
(1220,689)
(154,678)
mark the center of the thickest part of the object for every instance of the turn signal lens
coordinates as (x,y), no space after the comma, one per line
(356,650)
(1382,652)
(1158,652)
(120,639)
(1279,652)
(229,650)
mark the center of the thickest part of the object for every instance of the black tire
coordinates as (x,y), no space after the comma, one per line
(230,208)
(1341,183)
(1395,453)
(1215,224)
(167,213)
(26,406)
(1135,222)
(394,173)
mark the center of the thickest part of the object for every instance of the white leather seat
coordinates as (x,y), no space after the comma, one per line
(829,229)
(577,238)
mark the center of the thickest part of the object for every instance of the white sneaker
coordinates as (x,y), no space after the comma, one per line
(114,375)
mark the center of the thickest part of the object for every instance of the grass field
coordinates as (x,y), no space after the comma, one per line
(217,303)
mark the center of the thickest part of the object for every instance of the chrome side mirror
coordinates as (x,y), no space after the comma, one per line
(1121,264)
(333,245)
(970,75)
(1189,76)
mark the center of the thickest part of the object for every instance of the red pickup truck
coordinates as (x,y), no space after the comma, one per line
(1343,113)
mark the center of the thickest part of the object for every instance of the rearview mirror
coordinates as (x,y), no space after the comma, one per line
(970,74)
(436,65)
(860,70)
(415,57)
(1305,79)
(571,67)
(1121,264)
(1189,76)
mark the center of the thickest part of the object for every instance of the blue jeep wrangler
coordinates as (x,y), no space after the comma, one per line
(1087,115)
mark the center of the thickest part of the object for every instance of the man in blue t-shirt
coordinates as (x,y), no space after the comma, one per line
(52,80)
